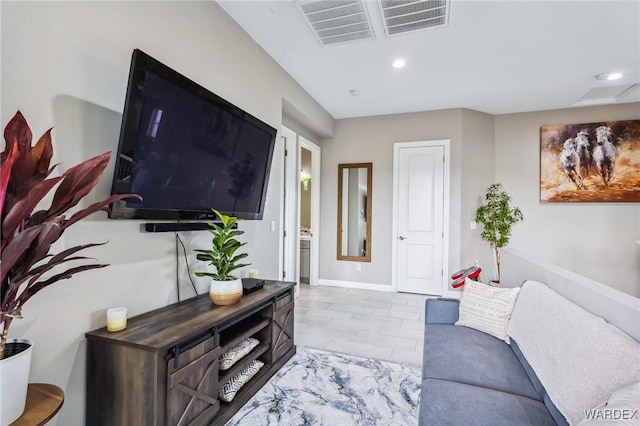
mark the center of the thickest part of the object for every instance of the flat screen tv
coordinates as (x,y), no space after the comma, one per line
(186,150)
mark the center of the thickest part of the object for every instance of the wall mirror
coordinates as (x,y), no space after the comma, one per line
(354,211)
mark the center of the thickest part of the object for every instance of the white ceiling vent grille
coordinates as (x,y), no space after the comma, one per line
(337,21)
(605,94)
(401,16)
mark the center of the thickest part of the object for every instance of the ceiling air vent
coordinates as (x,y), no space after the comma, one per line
(401,16)
(337,21)
(606,94)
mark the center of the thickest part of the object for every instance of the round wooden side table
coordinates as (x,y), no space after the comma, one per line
(43,402)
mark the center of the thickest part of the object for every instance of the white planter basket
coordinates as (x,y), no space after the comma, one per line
(14,380)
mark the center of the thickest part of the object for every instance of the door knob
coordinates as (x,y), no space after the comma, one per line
(402,238)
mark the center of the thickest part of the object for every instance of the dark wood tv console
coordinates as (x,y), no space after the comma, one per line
(163,368)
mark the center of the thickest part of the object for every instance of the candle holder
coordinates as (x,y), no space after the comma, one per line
(116,319)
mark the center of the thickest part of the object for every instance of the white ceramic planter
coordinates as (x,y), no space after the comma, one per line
(14,380)
(225,292)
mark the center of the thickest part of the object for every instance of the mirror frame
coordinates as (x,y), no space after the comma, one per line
(341,168)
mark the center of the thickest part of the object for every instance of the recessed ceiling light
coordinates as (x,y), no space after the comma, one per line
(398,63)
(609,76)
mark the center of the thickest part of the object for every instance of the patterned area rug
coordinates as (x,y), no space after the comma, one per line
(317,387)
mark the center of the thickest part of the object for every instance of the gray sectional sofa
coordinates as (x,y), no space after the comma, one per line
(472,378)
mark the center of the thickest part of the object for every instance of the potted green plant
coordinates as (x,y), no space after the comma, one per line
(27,237)
(497,217)
(225,288)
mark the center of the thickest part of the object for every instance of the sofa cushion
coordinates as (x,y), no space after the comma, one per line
(578,357)
(469,356)
(527,369)
(441,311)
(451,403)
(487,308)
(554,412)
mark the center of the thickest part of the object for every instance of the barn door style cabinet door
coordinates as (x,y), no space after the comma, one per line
(282,326)
(192,382)
(163,369)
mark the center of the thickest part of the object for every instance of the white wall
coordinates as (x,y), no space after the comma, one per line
(66,64)
(477,166)
(484,149)
(371,139)
(595,240)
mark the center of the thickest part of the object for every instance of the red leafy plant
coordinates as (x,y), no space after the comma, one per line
(27,235)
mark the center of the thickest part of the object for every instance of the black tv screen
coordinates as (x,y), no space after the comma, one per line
(186,150)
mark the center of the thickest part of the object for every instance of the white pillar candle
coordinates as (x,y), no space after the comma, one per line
(116,319)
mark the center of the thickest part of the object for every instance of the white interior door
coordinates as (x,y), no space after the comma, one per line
(291,207)
(419,225)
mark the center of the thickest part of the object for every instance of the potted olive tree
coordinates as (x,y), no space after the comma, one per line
(497,217)
(27,237)
(225,288)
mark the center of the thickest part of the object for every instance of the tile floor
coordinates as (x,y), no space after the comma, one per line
(388,326)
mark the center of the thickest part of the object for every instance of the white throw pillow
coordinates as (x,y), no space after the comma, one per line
(621,408)
(487,308)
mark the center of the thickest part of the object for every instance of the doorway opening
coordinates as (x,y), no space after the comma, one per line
(306,231)
(301,209)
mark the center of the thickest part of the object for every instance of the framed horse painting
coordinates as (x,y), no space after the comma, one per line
(590,162)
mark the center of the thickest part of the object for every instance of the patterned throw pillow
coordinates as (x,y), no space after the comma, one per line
(487,308)
(228,391)
(237,352)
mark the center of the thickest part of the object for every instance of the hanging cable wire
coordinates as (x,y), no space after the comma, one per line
(177,270)
(186,262)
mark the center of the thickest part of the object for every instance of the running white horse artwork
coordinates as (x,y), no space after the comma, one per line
(590,162)
(570,162)
(604,155)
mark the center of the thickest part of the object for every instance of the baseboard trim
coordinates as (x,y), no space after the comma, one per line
(451,294)
(357,285)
